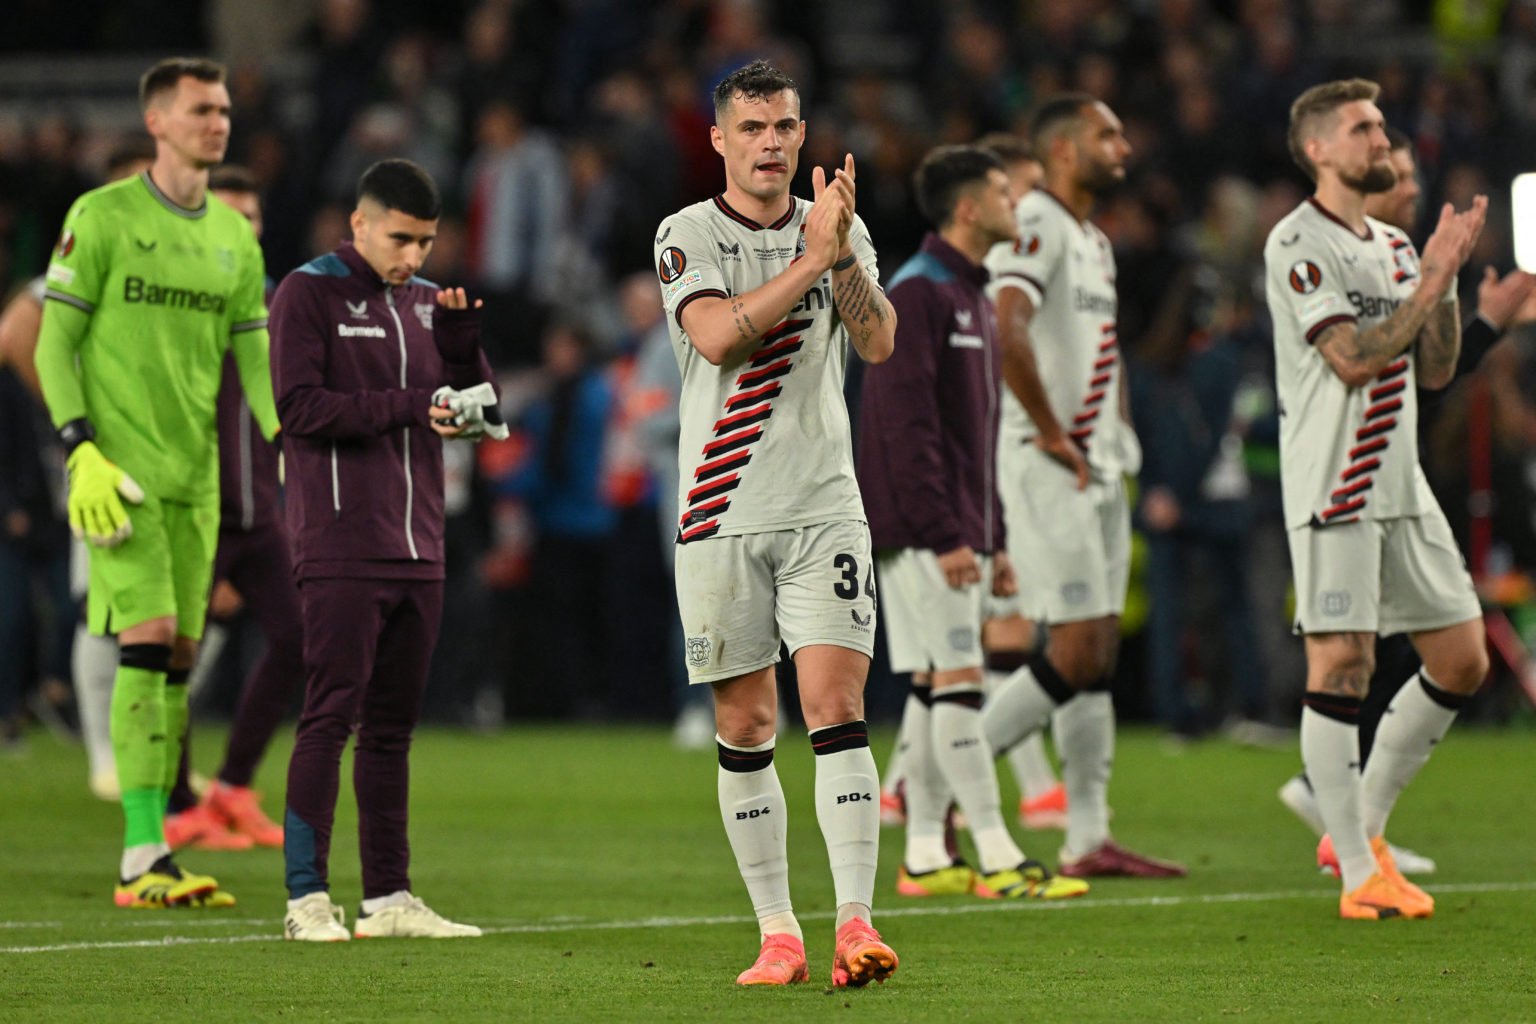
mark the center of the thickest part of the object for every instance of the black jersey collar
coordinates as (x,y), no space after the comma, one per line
(747,222)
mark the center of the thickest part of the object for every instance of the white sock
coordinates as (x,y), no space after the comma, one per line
(95,665)
(927,795)
(756,823)
(1019,707)
(1330,751)
(1084,728)
(1031,766)
(138,859)
(848,810)
(1414,722)
(395,899)
(966,763)
(896,768)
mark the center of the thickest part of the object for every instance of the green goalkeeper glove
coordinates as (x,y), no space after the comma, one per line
(95,510)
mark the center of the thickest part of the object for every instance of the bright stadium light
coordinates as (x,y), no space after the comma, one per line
(1524,214)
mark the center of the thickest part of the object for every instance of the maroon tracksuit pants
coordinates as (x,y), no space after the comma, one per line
(367,647)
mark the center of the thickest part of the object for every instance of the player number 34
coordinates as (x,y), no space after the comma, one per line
(847,588)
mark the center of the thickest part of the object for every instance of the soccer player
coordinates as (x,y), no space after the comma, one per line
(764,292)
(1064,448)
(1009,635)
(927,466)
(252,569)
(93,658)
(372,366)
(151,282)
(1359,318)
(1499,305)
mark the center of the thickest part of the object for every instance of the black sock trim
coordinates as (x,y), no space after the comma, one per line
(1104,684)
(1334,706)
(1445,698)
(1006,661)
(149,657)
(733,760)
(966,698)
(177,676)
(924,694)
(1050,680)
(835,739)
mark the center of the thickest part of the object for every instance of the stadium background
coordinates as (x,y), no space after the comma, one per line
(597,115)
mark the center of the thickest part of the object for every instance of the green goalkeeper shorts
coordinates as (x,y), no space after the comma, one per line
(164,570)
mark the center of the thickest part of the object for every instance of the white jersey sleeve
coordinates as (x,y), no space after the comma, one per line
(687,264)
(1029,262)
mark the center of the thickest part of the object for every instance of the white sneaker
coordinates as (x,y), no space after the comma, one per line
(1298,796)
(411,919)
(314,918)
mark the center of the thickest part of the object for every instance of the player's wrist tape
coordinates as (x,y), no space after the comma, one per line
(75,433)
(845,262)
(1451,292)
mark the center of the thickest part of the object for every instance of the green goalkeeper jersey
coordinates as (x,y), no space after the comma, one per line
(143,300)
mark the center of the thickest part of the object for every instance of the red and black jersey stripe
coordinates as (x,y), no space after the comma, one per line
(740,429)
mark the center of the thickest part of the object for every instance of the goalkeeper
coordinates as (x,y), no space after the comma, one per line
(151,282)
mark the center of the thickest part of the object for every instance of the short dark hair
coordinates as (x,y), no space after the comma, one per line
(165,75)
(131,151)
(944,173)
(1399,140)
(754,81)
(1056,115)
(401,185)
(1008,148)
(1319,102)
(233,178)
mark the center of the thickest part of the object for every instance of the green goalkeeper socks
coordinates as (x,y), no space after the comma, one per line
(176,716)
(139,739)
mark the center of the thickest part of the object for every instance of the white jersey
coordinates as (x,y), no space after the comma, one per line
(765,442)
(1346,454)
(1067,269)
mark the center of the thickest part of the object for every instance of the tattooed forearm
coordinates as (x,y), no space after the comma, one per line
(863,309)
(745,329)
(1440,346)
(1358,356)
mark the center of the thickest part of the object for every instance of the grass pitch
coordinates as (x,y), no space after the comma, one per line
(596,861)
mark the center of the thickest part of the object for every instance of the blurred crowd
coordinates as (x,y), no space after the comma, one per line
(563,132)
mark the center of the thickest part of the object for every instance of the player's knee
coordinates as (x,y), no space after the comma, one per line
(1081,666)
(155,631)
(745,725)
(834,708)
(1466,674)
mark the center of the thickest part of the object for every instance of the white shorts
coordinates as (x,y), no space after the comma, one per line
(1071,549)
(1389,576)
(929,625)
(740,596)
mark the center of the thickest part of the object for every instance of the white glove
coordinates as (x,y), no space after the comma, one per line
(475,409)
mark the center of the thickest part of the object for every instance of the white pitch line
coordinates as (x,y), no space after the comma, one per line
(557,926)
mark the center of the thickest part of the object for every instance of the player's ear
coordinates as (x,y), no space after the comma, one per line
(717,139)
(359,221)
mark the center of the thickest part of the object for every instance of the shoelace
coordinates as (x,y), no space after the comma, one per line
(318,915)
